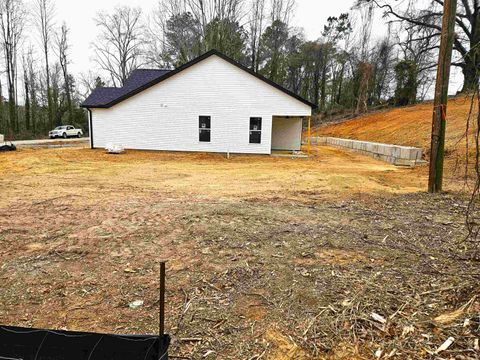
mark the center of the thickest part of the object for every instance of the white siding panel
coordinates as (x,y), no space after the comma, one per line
(165,116)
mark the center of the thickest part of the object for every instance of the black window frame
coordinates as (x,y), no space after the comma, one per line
(205,129)
(255,134)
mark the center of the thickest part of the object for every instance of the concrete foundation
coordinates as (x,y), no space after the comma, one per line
(393,154)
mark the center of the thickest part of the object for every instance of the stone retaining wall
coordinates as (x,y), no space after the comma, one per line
(393,154)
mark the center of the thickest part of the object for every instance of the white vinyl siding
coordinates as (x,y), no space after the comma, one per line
(166,116)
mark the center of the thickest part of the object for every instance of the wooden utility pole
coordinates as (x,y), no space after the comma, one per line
(437,152)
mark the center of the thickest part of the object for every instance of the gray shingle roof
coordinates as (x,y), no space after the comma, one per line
(102,97)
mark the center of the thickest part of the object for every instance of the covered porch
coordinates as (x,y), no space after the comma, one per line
(287,133)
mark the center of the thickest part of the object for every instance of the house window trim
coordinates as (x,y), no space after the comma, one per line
(200,129)
(259,131)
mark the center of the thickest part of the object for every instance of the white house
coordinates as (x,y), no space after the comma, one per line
(211,104)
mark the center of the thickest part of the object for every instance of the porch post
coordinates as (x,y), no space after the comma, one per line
(309,118)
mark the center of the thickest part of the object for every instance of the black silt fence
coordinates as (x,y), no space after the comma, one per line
(32,344)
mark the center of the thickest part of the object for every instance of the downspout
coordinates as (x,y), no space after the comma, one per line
(90,127)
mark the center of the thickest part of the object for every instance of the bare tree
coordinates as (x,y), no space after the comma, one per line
(156,49)
(119,47)
(180,30)
(467,28)
(217,19)
(26,83)
(44,14)
(282,10)
(30,83)
(382,69)
(87,83)
(275,38)
(62,52)
(336,31)
(174,33)
(418,45)
(12,21)
(364,67)
(257,19)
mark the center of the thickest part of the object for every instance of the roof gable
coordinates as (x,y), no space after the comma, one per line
(141,80)
(102,97)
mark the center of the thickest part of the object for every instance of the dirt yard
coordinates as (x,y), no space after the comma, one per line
(337,256)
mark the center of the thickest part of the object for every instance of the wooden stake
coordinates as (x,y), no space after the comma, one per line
(161,306)
(437,153)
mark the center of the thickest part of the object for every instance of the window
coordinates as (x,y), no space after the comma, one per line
(255,130)
(204,128)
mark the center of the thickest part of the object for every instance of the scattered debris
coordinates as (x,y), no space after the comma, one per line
(454,315)
(445,345)
(409,329)
(209,352)
(8,148)
(378,318)
(136,304)
(198,339)
(115,149)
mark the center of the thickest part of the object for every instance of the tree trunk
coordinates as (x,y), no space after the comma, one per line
(11,112)
(3,124)
(471,71)
(316,85)
(11,96)
(33,107)
(323,88)
(57,114)
(254,57)
(49,90)
(27,104)
(365,70)
(66,79)
(340,85)
(437,152)
(472,59)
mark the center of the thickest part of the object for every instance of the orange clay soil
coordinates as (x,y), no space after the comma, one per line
(37,175)
(412,126)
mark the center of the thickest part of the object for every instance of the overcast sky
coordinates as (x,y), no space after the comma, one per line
(311,15)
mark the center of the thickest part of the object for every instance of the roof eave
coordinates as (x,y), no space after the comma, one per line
(94,106)
(196,61)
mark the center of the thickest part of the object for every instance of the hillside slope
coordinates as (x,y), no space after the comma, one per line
(410,126)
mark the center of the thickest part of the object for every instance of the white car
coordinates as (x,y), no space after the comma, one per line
(65,131)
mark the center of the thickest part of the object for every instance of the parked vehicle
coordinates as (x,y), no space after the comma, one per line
(65,131)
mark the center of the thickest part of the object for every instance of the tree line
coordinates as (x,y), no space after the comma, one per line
(37,90)
(348,68)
